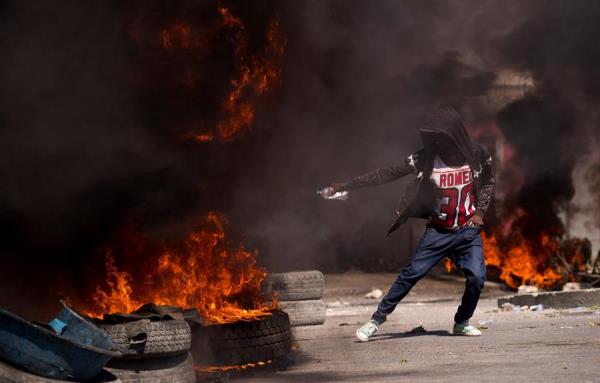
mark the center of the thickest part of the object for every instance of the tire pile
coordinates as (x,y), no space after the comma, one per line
(152,351)
(242,342)
(299,294)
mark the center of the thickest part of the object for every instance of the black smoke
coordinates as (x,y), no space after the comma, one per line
(553,128)
(92,132)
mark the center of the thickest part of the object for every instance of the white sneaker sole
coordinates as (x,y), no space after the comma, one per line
(361,338)
(464,334)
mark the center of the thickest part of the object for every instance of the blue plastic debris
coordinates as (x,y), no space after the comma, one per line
(57,325)
(38,348)
(79,329)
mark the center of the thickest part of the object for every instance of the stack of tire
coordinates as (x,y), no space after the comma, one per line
(243,342)
(299,294)
(152,351)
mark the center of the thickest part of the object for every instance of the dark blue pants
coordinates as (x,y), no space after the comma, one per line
(464,248)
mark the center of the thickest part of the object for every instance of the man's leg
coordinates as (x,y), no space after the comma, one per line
(434,245)
(468,256)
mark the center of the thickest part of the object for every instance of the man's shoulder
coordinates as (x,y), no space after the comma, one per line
(482,155)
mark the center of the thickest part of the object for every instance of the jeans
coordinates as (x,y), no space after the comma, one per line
(464,247)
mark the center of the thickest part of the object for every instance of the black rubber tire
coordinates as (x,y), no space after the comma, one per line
(244,342)
(304,313)
(173,369)
(10,374)
(295,285)
(162,338)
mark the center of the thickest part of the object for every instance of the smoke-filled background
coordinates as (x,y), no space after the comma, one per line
(95,125)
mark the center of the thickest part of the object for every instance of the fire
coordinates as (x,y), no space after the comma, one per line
(257,74)
(531,262)
(118,296)
(523,262)
(223,284)
(528,245)
(232,368)
(177,59)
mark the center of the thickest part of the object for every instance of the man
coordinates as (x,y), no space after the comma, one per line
(453,188)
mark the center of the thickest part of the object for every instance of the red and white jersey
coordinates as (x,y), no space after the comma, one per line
(455,198)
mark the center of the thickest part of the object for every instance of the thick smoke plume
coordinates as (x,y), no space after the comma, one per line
(553,129)
(94,134)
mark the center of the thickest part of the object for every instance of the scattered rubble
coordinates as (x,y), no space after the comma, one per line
(338,304)
(374,294)
(485,322)
(527,289)
(574,286)
(417,330)
(507,306)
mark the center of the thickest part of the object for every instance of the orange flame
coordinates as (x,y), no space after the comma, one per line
(118,297)
(257,75)
(231,368)
(522,264)
(223,284)
(541,257)
(257,72)
(526,262)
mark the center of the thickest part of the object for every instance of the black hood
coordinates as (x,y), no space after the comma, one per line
(447,121)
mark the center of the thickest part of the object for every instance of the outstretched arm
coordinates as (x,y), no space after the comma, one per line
(380,176)
(375,177)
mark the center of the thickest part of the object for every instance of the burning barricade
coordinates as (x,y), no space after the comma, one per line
(544,261)
(207,308)
(217,288)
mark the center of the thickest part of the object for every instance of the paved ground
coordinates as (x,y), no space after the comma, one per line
(526,346)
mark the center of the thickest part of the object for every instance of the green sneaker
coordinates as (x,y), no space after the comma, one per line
(367,330)
(465,329)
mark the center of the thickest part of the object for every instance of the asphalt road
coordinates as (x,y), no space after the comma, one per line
(526,346)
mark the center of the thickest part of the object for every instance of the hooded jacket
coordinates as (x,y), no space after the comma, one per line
(419,196)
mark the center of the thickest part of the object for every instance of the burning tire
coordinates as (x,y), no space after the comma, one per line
(243,342)
(174,369)
(303,313)
(296,285)
(145,338)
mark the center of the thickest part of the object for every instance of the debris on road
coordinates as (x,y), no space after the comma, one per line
(507,306)
(338,304)
(417,330)
(527,289)
(374,294)
(358,323)
(574,286)
(69,347)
